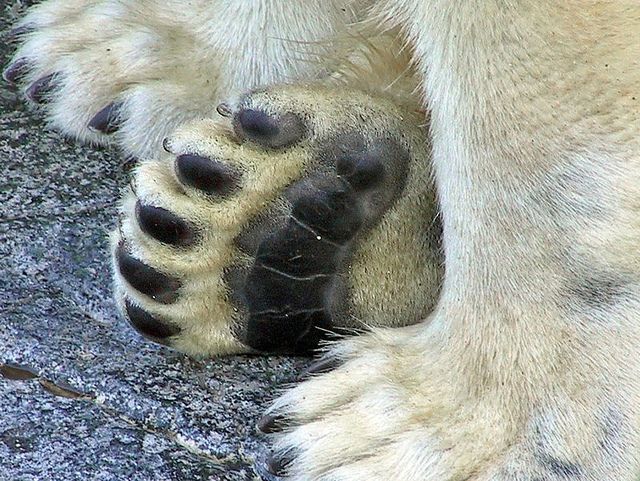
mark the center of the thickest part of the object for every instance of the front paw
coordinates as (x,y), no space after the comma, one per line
(396,405)
(308,213)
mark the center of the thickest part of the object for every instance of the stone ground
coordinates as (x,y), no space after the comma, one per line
(101,404)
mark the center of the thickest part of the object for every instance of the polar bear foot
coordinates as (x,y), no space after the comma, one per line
(308,213)
(404,404)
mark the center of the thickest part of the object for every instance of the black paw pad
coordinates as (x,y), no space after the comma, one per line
(209,176)
(14,72)
(270,131)
(164,225)
(148,325)
(107,121)
(39,90)
(361,171)
(286,290)
(146,279)
(334,214)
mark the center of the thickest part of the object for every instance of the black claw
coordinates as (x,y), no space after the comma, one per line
(164,226)
(18,31)
(362,172)
(267,130)
(271,424)
(39,90)
(107,120)
(224,110)
(278,463)
(149,326)
(204,174)
(146,279)
(323,365)
(14,72)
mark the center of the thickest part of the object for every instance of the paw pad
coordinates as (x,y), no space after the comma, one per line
(164,226)
(145,279)
(265,258)
(204,174)
(149,326)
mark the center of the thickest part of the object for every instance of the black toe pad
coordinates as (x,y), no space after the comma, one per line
(213,178)
(164,225)
(274,131)
(145,279)
(148,325)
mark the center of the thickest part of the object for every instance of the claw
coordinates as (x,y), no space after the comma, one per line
(107,120)
(277,464)
(224,110)
(323,365)
(271,423)
(38,91)
(14,72)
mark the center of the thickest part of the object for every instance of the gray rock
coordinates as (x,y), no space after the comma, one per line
(107,405)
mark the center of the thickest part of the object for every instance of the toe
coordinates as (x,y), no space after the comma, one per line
(165,226)
(146,279)
(204,174)
(148,325)
(39,91)
(274,131)
(107,120)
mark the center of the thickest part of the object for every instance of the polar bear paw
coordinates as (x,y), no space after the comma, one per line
(305,213)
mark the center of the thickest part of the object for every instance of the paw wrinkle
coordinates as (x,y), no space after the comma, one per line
(292,277)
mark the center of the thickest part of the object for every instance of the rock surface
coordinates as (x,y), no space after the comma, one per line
(104,404)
